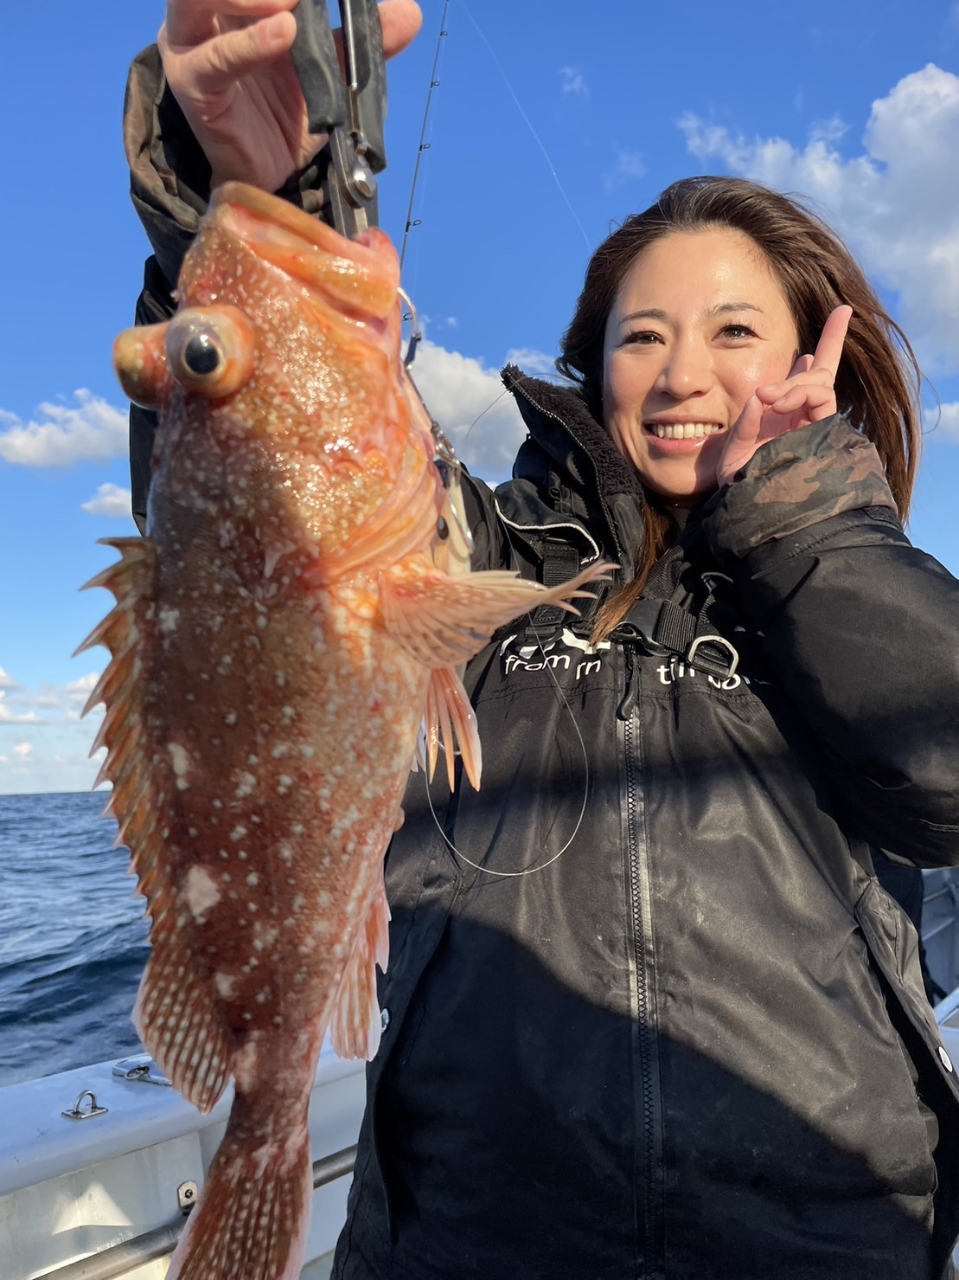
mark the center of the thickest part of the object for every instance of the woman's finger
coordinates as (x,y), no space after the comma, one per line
(400,21)
(803,365)
(189,22)
(218,63)
(808,396)
(829,348)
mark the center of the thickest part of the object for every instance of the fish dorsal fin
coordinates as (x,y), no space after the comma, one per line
(443,621)
(355,1021)
(450,722)
(176,1020)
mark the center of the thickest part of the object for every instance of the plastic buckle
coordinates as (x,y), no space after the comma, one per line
(640,625)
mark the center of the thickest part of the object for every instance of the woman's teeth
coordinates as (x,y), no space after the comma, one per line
(683,430)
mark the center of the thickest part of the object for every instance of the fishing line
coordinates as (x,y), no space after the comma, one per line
(528,871)
(528,122)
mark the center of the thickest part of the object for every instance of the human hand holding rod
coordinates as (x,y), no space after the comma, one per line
(228,65)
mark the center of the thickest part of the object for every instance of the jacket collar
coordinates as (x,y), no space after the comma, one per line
(569,467)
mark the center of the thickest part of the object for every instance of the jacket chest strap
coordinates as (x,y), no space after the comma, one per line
(660,627)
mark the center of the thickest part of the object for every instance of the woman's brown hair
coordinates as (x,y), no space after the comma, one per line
(877,384)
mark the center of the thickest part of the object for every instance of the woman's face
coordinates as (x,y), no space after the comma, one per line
(700,321)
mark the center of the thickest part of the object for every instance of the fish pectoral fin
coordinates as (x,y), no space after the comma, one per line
(355,1021)
(443,621)
(450,721)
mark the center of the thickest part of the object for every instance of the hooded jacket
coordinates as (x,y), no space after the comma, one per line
(648,1012)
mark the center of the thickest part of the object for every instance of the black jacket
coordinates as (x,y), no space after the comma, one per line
(692,1041)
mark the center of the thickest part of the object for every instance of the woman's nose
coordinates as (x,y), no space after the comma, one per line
(686,370)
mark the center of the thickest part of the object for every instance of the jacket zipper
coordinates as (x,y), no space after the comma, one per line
(646,1194)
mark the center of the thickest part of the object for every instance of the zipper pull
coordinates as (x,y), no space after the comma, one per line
(625,708)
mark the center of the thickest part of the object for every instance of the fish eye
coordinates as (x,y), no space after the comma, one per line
(211,350)
(442,529)
(201,355)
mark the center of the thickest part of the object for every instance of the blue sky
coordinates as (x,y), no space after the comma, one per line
(551,122)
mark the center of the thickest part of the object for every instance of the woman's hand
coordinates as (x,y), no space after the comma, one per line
(227,64)
(807,395)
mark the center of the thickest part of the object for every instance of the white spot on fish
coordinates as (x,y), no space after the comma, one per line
(168,620)
(181,764)
(280,750)
(308,752)
(230,717)
(201,892)
(253,879)
(285,780)
(245,786)
(299,902)
(280,678)
(238,833)
(253,759)
(298,828)
(286,853)
(323,898)
(225,985)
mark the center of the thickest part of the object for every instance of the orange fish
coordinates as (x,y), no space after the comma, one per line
(292,615)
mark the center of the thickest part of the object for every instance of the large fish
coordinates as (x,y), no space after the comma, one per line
(294,611)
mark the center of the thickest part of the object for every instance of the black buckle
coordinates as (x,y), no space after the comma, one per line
(640,626)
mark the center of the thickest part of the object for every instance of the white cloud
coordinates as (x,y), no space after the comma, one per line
(473,408)
(897,203)
(50,704)
(23,750)
(532,361)
(573,82)
(6,683)
(943,423)
(109,500)
(89,431)
(627,168)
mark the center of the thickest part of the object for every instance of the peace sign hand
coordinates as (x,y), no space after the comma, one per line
(227,64)
(807,395)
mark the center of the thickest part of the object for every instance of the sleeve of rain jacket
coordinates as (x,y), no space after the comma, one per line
(860,628)
(170,189)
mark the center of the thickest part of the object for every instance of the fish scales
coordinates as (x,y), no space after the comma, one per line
(294,612)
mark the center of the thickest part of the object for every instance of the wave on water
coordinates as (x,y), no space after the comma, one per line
(73,941)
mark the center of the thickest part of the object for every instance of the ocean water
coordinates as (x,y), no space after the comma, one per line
(73,941)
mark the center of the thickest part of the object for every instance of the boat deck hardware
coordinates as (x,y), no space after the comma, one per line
(186,1196)
(140,1066)
(110,1263)
(78,1112)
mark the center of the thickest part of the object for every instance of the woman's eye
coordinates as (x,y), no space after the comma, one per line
(643,337)
(737,331)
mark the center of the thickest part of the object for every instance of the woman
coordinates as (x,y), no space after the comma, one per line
(648,1012)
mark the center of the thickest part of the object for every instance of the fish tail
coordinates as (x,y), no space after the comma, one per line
(253,1214)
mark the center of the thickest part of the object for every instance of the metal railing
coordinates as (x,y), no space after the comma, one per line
(110,1263)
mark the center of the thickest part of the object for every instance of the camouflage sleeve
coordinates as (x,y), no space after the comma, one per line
(796,481)
(856,629)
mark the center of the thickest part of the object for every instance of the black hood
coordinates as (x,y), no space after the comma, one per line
(569,467)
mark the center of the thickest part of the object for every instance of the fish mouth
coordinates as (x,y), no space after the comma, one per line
(360,277)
